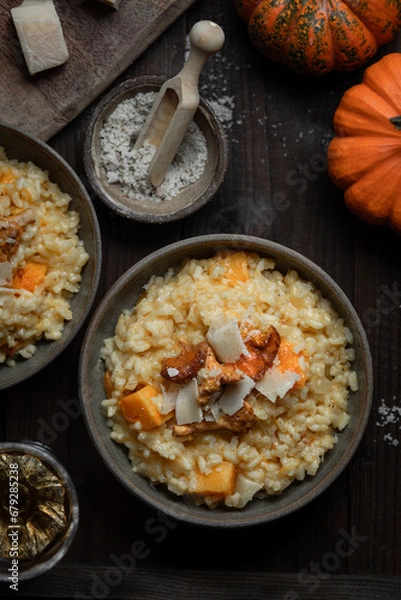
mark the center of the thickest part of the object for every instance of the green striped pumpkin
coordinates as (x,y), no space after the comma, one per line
(314,37)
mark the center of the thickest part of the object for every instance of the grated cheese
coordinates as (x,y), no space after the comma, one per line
(129,169)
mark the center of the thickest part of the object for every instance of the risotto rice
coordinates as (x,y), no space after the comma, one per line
(41,258)
(228,379)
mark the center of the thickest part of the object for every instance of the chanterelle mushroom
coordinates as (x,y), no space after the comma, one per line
(11,233)
(185,366)
(222,382)
(215,375)
(10,236)
(262,349)
(239,422)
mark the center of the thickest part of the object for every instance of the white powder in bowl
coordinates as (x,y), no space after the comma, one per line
(129,169)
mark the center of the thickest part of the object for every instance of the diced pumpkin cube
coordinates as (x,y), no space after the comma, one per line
(219,482)
(139,406)
(29,276)
(237,268)
(288,360)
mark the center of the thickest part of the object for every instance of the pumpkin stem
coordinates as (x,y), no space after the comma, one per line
(396,121)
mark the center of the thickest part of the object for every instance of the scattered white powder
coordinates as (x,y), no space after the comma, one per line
(223,108)
(223,105)
(389,416)
(129,169)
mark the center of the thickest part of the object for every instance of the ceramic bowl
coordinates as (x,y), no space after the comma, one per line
(30,496)
(24,147)
(124,294)
(189,199)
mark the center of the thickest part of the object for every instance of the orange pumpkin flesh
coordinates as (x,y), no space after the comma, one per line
(364,159)
(314,37)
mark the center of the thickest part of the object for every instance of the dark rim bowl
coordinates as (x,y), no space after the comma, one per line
(124,295)
(24,147)
(188,200)
(27,569)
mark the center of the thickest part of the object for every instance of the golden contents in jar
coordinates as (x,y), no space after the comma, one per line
(32,506)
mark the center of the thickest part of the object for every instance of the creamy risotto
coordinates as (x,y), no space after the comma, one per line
(41,258)
(228,379)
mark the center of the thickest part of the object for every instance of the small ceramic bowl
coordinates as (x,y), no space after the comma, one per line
(23,147)
(124,294)
(192,197)
(34,476)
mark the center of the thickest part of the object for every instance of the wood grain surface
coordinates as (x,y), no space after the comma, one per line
(277,187)
(101,41)
(134,582)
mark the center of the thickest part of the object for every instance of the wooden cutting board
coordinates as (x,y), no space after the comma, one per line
(102,42)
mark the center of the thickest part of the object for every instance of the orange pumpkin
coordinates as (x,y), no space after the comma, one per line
(364,159)
(315,37)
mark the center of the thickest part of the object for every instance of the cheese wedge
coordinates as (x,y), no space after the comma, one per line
(40,34)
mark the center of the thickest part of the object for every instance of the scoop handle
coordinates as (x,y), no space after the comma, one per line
(206,38)
(178,100)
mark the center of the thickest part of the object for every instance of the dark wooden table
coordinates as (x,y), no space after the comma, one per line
(277,187)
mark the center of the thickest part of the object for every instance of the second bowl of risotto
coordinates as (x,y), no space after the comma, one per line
(50,255)
(226,380)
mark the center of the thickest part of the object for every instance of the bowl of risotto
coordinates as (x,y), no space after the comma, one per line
(50,255)
(226,380)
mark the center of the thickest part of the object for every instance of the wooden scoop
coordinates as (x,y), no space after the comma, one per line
(177,101)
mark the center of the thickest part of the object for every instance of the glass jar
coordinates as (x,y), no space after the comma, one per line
(39,510)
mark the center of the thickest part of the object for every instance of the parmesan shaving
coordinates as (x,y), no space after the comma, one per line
(245,489)
(216,411)
(170,394)
(225,338)
(209,417)
(276,383)
(187,409)
(234,395)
